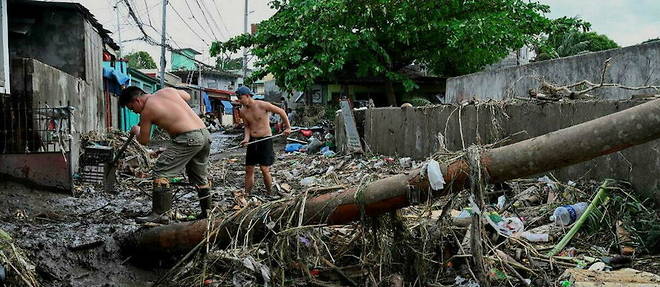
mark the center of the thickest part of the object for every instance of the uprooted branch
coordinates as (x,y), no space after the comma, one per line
(552,92)
(609,134)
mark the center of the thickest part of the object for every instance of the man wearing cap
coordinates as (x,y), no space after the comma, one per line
(189,148)
(256,116)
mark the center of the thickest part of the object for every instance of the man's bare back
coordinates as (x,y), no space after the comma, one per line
(168,109)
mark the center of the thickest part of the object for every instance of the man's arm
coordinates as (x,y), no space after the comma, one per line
(246,128)
(142,131)
(184,95)
(277,110)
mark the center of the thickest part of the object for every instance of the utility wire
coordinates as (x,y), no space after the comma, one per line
(206,18)
(149,40)
(188,25)
(195,18)
(220,15)
(212,18)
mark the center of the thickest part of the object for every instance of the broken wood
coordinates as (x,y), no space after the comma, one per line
(557,149)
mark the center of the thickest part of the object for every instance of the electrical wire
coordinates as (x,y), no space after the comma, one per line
(206,18)
(195,18)
(188,25)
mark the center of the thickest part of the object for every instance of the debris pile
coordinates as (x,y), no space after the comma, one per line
(137,160)
(428,244)
(16,269)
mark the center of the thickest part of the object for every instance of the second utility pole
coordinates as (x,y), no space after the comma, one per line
(245,31)
(162,47)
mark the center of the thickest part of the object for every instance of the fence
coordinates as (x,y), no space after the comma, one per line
(25,129)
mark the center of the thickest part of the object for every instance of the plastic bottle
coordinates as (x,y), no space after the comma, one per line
(567,214)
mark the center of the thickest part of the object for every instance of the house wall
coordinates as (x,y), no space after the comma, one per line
(56,38)
(45,85)
(414,131)
(632,66)
(217,82)
(4,49)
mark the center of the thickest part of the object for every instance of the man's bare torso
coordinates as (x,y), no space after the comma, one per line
(257,117)
(167,109)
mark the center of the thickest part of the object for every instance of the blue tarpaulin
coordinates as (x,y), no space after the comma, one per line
(117,78)
(229,109)
(207,102)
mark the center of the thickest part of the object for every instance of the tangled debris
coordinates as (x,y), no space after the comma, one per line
(428,244)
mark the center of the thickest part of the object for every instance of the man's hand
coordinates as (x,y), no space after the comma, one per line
(287,131)
(135,130)
(245,142)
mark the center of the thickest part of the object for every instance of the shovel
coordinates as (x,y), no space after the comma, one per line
(111,167)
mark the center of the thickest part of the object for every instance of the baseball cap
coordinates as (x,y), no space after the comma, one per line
(243,90)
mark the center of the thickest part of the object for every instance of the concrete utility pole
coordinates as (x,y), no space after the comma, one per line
(162,47)
(245,30)
(118,28)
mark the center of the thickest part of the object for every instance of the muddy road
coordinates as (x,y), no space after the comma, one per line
(73,239)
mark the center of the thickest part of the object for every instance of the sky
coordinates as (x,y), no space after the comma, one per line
(627,22)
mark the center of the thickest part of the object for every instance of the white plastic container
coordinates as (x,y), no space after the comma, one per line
(567,214)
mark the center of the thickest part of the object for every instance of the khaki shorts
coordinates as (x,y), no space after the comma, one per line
(189,151)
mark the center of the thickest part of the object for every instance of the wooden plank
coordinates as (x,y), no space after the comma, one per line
(352,137)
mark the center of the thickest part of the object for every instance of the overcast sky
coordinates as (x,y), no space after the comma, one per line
(628,22)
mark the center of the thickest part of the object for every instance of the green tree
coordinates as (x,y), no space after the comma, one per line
(140,60)
(225,63)
(572,41)
(310,39)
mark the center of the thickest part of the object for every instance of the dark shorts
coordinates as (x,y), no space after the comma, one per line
(260,153)
(187,151)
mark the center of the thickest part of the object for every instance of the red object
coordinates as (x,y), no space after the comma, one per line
(315,272)
(208,282)
(389,159)
(307,133)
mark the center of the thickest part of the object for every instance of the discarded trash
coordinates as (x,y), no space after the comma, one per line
(405,162)
(535,237)
(435,175)
(507,226)
(567,214)
(293,147)
(3,274)
(314,145)
(308,180)
(329,153)
(598,266)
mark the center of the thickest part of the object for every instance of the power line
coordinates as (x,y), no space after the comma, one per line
(206,19)
(149,40)
(188,25)
(212,18)
(200,25)
(220,15)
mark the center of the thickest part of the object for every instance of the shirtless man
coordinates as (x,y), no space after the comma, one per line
(255,114)
(189,148)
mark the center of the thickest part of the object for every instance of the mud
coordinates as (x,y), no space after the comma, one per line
(73,239)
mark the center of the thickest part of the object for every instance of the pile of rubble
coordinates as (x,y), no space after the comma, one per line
(430,243)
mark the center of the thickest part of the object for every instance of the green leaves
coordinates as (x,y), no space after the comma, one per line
(140,60)
(311,39)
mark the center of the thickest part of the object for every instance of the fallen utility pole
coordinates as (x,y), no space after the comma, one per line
(557,149)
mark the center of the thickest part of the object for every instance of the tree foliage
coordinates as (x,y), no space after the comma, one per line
(140,60)
(572,41)
(226,63)
(311,39)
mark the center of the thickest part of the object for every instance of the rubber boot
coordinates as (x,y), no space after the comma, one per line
(204,195)
(161,204)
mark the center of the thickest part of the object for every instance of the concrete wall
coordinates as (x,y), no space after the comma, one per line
(31,168)
(45,84)
(631,66)
(414,132)
(56,38)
